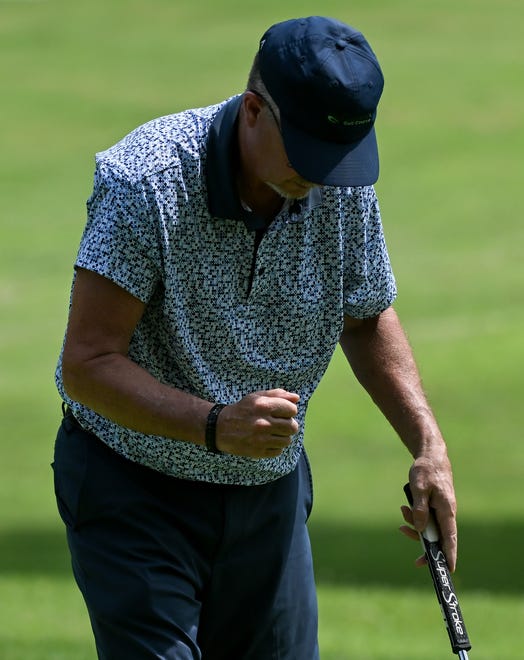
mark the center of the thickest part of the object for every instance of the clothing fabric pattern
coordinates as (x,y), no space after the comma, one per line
(226,313)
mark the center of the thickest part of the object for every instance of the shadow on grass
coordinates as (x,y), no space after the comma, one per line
(489,557)
(34,552)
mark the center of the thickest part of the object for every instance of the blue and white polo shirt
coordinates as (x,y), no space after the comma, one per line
(224,316)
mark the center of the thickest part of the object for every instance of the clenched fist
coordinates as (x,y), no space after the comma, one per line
(260,425)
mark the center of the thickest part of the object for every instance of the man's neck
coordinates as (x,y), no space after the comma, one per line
(258,197)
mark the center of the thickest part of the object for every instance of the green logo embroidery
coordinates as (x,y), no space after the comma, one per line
(349,122)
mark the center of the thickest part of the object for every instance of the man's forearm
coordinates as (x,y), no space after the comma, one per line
(260,425)
(122,391)
(381,358)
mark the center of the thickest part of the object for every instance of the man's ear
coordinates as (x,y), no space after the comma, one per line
(252,105)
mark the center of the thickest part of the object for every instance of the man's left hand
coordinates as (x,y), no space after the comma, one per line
(431,484)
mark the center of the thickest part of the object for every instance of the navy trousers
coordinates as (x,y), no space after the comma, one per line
(174,569)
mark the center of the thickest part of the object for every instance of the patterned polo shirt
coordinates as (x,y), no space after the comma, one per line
(229,309)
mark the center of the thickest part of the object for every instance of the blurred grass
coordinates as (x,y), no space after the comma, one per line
(75,78)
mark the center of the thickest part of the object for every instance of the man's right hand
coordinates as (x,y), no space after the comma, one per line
(260,425)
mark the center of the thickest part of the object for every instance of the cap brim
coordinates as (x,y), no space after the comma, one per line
(331,163)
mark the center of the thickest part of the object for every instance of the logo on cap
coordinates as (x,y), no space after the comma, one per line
(350,122)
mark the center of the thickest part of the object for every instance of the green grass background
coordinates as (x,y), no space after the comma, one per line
(74,78)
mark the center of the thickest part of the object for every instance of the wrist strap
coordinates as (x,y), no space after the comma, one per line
(211,428)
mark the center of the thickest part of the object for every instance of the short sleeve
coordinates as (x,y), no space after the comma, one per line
(120,239)
(369,283)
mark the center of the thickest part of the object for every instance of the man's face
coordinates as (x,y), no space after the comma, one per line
(272,164)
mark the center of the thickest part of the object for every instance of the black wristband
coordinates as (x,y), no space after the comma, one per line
(211,428)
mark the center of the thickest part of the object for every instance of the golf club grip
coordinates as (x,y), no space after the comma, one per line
(447,598)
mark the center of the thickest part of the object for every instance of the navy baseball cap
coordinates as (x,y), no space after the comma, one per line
(326,82)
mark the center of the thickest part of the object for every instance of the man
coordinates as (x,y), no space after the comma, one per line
(227,251)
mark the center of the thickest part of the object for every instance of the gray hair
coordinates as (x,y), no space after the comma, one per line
(256,84)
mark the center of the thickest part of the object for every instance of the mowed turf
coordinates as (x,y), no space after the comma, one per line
(76,78)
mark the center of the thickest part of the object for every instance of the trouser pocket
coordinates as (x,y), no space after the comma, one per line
(306,482)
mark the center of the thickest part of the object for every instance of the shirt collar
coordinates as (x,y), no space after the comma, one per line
(222,166)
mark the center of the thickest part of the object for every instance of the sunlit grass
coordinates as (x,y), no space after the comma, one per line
(77,77)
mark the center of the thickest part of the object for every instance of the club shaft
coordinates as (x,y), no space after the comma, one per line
(463,655)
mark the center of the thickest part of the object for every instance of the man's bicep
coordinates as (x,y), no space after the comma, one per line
(102,318)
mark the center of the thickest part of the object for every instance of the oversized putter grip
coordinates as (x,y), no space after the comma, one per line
(443,584)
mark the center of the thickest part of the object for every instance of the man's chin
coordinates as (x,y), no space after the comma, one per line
(287,194)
